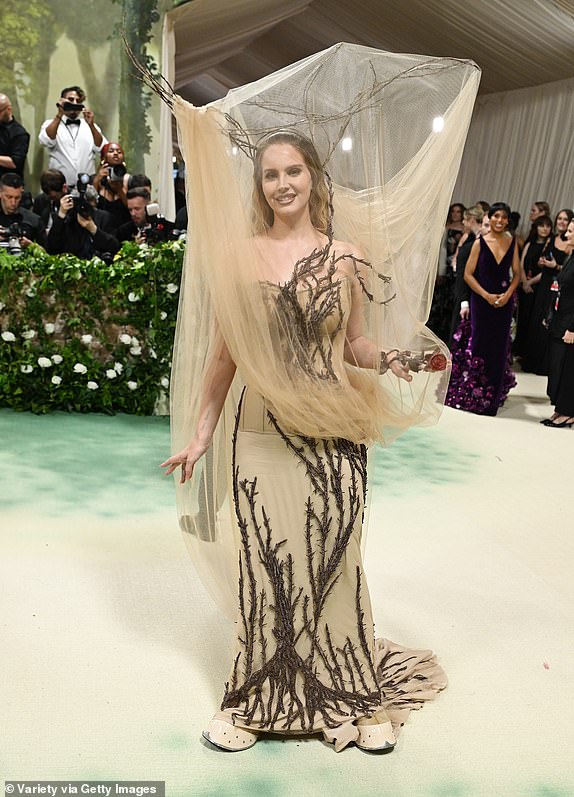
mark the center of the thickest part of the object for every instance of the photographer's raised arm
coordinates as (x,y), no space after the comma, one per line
(97,136)
(218,378)
(51,129)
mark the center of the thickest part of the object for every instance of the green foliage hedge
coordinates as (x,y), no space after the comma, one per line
(87,336)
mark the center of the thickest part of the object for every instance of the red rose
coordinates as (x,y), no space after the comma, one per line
(436,362)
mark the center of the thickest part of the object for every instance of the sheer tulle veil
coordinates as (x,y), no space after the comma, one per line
(389,130)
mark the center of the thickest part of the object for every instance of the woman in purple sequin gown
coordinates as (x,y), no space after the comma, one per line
(481,374)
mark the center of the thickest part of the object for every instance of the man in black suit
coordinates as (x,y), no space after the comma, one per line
(14,140)
(11,213)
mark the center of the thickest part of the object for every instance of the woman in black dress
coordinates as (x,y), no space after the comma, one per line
(111,183)
(472,220)
(561,374)
(537,245)
(536,347)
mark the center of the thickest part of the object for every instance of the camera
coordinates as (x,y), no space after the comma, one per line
(116,173)
(10,238)
(72,106)
(81,205)
(158,229)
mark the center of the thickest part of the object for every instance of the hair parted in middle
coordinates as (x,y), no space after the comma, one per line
(319,201)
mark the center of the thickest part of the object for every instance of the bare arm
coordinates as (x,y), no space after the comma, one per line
(516,272)
(96,135)
(360,350)
(218,379)
(52,129)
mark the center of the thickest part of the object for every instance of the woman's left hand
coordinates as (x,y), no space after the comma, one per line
(568,337)
(501,300)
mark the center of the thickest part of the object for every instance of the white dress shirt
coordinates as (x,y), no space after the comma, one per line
(73,150)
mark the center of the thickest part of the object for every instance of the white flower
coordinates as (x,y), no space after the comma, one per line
(163,315)
(152,354)
(92,385)
(171,288)
(132,385)
(111,374)
(125,339)
(118,367)
(164,381)
(29,334)
(2,305)
(9,337)
(44,362)
(80,368)
(30,292)
(136,350)
(49,328)
(56,380)
(87,339)
(133,297)
(26,369)
(135,341)
(57,359)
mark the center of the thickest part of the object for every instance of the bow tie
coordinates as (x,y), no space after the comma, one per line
(73,121)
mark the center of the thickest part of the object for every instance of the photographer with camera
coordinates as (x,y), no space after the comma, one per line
(72,137)
(47,203)
(18,226)
(146,225)
(111,183)
(79,228)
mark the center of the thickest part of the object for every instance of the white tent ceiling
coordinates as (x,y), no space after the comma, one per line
(220,44)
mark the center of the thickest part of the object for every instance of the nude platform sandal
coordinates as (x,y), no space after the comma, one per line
(227,736)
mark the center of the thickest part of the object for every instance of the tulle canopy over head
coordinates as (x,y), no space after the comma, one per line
(387,133)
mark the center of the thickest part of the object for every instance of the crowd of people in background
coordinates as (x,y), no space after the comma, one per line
(498,299)
(89,203)
(501,299)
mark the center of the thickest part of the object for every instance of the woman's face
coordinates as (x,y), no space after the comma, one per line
(286,180)
(456,214)
(114,154)
(562,223)
(544,230)
(485,226)
(535,211)
(570,232)
(498,221)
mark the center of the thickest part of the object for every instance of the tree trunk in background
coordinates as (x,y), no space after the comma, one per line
(138,18)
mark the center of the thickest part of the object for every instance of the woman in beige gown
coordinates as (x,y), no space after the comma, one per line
(306,659)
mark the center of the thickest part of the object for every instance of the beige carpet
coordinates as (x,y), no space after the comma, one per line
(113,658)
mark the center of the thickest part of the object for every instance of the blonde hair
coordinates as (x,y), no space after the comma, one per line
(319,201)
(475,212)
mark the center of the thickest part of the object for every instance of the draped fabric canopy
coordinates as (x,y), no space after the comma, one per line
(371,117)
(211,46)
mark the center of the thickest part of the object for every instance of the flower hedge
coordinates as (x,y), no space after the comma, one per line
(88,336)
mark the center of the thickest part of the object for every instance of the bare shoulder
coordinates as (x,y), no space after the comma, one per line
(349,257)
(344,248)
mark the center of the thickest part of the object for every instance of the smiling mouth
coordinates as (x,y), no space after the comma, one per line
(285,199)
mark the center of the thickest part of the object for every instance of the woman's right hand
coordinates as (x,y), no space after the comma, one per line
(186,458)
(493,299)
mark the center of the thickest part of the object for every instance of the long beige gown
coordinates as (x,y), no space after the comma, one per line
(306,658)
